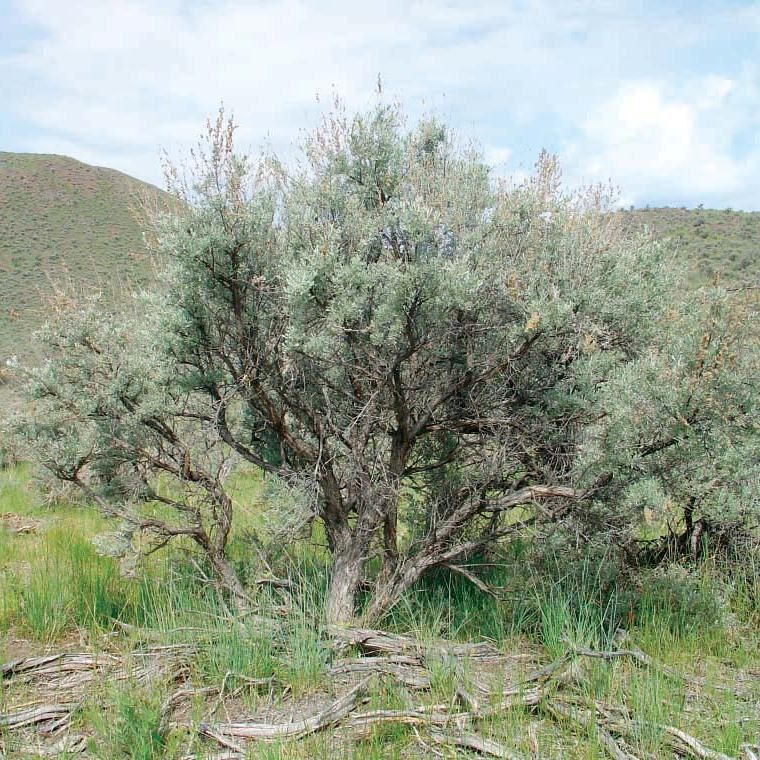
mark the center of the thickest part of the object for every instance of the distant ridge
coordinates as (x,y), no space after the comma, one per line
(66,222)
(63,221)
(715,243)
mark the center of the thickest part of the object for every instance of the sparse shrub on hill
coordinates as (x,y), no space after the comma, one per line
(435,360)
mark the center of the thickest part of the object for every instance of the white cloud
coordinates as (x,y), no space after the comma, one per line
(497,156)
(655,143)
(124,78)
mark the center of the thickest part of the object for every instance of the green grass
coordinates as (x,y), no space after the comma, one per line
(131,727)
(55,591)
(69,588)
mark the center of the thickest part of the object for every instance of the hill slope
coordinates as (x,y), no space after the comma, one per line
(713,242)
(63,221)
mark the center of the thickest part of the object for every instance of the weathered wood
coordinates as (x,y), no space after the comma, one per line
(584,719)
(330,716)
(684,743)
(379,642)
(476,743)
(408,671)
(52,715)
(68,745)
(408,717)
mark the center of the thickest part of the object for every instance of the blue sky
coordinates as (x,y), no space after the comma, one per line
(661,98)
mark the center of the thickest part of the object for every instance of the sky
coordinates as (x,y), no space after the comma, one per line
(660,98)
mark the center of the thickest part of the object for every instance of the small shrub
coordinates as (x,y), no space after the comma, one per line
(676,600)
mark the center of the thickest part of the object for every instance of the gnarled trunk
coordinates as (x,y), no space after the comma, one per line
(345,579)
(389,589)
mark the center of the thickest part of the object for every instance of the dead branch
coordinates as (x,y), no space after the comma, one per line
(330,716)
(68,745)
(409,717)
(643,659)
(374,642)
(465,573)
(408,671)
(49,718)
(476,743)
(684,743)
(585,720)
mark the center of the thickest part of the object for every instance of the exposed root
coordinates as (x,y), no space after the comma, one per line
(330,716)
(554,691)
(475,743)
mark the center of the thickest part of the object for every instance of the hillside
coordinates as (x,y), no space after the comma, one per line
(63,221)
(725,242)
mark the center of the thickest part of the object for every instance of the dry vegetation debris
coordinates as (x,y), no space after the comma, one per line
(484,685)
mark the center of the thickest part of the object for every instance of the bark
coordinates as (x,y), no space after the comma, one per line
(345,579)
(444,546)
(229,580)
(388,590)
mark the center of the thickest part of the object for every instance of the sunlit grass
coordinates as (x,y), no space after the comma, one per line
(701,621)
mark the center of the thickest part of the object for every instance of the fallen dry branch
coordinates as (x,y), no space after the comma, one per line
(69,745)
(156,634)
(408,717)
(404,659)
(608,721)
(374,642)
(685,744)
(55,668)
(328,717)
(514,697)
(52,665)
(553,690)
(408,671)
(643,659)
(18,524)
(63,682)
(47,718)
(584,719)
(475,743)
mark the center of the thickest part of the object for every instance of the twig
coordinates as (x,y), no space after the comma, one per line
(479,584)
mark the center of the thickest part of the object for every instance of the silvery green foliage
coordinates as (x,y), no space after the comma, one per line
(290,509)
(120,545)
(421,356)
(681,421)
(107,415)
(425,342)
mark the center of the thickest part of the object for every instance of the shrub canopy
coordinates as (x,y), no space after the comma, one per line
(433,358)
